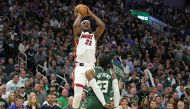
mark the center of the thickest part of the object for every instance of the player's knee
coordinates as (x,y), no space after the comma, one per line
(89,74)
(77,96)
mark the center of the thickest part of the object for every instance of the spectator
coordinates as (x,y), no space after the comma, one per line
(187,102)
(3,76)
(23,46)
(133,98)
(32,103)
(123,92)
(53,68)
(181,91)
(153,104)
(186,56)
(63,100)
(38,77)
(18,104)
(30,52)
(159,101)
(143,93)
(22,66)
(28,87)
(49,104)
(5,94)
(180,105)
(53,100)
(144,103)
(42,86)
(11,98)
(124,104)
(29,96)
(2,62)
(160,89)
(169,105)
(22,93)
(53,88)
(54,23)
(40,56)
(171,80)
(70,102)
(3,103)
(9,67)
(46,84)
(69,88)
(23,77)
(16,69)
(13,84)
(41,95)
(64,75)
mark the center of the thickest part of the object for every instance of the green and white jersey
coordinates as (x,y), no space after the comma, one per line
(104,81)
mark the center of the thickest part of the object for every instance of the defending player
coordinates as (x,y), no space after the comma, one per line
(85,46)
(107,81)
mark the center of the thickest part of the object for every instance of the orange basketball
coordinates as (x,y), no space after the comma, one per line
(82,9)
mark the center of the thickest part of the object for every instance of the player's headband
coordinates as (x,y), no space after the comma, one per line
(85,21)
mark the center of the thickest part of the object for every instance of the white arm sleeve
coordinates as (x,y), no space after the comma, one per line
(115,87)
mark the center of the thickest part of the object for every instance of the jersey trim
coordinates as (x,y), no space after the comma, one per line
(80,85)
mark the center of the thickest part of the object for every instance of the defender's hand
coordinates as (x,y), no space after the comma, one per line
(113,74)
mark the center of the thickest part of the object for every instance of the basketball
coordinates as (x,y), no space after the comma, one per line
(82,9)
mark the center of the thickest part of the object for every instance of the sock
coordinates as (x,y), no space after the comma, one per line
(97,91)
(77,96)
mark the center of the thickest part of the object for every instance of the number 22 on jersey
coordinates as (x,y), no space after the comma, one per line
(88,42)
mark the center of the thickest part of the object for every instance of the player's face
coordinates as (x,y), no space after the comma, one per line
(85,26)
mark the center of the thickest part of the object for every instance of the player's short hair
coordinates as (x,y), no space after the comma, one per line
(104,60)
(91,21)
(85,21)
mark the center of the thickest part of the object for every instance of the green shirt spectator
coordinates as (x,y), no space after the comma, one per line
(63,100)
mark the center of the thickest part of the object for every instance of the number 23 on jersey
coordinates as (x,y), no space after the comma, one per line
(103,85)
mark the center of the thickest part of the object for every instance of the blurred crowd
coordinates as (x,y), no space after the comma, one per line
(176,19)
(156,64)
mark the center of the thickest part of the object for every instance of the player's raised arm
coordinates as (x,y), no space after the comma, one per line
(76,25)
(101,26)
(115,86)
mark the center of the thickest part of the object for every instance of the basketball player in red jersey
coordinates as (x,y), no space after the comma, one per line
(85,49)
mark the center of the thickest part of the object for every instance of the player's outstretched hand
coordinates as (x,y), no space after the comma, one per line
(113,74)
(108,106)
